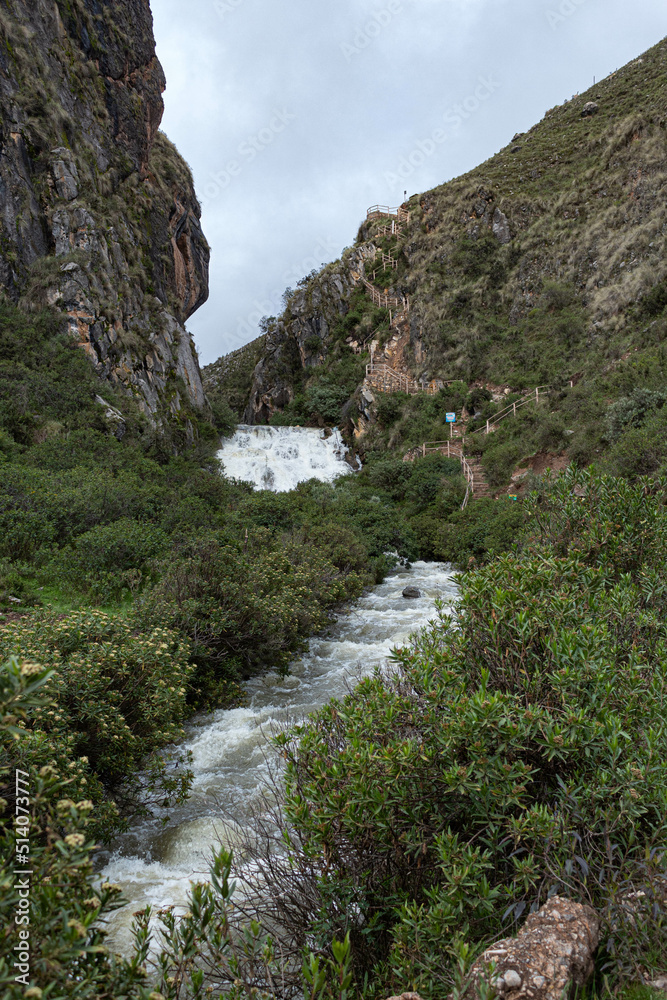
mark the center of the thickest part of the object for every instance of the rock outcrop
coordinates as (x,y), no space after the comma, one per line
(98,214)
(550,957)
(231,376)
(300,339)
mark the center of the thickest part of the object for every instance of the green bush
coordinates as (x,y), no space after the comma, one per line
(248,605)
(224,418)
(655,302)
(68,904)
(428,479)
(515,749)
(119,698)
(13,587)
(110,558)
(390,406)
(632,411)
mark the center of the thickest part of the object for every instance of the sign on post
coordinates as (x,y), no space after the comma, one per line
(451,420)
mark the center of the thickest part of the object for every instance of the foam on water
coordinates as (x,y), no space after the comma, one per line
(155,864)
(279,458)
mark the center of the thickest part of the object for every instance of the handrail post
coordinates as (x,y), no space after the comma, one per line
(487,426)
(424,450)
(514,409)
(537,394)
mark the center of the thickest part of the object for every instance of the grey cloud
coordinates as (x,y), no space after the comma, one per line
(314,105)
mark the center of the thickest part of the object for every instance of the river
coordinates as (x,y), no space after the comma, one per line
(154,863)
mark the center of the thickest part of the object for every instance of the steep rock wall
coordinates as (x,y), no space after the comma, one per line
(98,214)
(300,339)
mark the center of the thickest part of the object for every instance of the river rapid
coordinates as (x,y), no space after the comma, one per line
(154,863)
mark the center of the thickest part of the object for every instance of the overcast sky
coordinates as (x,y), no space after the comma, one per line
(296,117)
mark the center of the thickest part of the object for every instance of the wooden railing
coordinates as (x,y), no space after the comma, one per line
(454,451)
(383,211)
(470,479)
(386,379)
(534,396)
(442,446)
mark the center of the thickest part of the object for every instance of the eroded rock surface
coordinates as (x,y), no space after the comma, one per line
(549,958)
(298,340)
(98,214)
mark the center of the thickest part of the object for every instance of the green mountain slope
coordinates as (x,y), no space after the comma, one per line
(545,263)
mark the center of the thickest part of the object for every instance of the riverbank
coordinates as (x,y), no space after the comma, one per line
(154,864)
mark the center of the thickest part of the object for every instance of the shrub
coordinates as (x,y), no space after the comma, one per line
(428,478)
(390,475)
(515,748)
(65,934)
(120,697)
(390,406)
(224,418)
(655,302)
(112,557)
(249,605)
(633,410)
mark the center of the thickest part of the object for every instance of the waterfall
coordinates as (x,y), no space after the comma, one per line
(279,458)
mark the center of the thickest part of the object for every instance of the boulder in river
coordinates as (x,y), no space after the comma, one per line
(412,592)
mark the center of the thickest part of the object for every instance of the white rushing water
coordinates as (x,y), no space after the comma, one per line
(155,864)
(279,458)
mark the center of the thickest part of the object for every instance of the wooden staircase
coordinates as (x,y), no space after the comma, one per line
(480,487)
(386,379)
(477,487)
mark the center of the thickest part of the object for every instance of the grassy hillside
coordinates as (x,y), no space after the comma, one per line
(545,263)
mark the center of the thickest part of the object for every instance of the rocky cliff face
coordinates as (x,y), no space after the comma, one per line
(301,339)
(98,214)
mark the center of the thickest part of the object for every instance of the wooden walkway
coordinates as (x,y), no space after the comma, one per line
(386,379)
(477,486)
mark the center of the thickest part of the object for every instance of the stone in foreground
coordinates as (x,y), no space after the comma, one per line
(552,954)
(412,592)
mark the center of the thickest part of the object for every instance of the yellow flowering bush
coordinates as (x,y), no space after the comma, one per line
(118,698)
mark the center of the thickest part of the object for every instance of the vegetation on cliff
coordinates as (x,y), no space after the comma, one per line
(225,580)
(99,214)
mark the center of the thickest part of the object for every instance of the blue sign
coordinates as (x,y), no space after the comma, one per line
(451,418)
